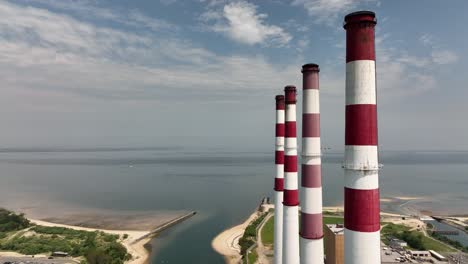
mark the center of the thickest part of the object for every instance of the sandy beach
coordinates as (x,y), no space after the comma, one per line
(226,243)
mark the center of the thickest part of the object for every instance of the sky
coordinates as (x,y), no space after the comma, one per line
(204,73)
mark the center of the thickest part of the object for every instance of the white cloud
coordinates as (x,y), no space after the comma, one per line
(444,56)
(439,55)
(427,39)
(88,9)
(327,11)
(44,51)
(241,22)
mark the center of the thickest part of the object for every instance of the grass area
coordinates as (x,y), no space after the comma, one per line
(252,256)
(21,236)
(268,232)
(436,245)
(332,220)
(392,230)
(415,239)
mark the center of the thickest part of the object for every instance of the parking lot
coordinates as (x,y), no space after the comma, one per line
(31,260)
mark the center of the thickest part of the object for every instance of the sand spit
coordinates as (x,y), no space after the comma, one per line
(227,243)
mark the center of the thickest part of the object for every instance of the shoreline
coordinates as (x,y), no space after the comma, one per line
(226,242)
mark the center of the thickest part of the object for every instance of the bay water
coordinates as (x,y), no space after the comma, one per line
(223,186)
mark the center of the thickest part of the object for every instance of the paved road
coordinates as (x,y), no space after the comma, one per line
(30,260)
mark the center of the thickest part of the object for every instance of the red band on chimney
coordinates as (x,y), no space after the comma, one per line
(311,226)
(360,37)
(361,125)
(290,130)
(362,210)
(310,79)
(311,176)
(279,157)
(290,163)
(291,197)
(280,130)
(310,125)
(279,184)
(279,102)
(290,94)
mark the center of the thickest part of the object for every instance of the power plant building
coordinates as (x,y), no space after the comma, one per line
(334,244)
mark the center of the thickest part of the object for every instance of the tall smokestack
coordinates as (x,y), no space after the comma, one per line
(311,180)
(291,196)
(361,192)
(279,180)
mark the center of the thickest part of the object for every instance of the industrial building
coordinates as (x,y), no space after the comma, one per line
(397,243)
(334,244)
(419,253)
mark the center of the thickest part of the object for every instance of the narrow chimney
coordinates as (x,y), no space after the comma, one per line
(311,181)
(291,196)
(361,192)
(279,180)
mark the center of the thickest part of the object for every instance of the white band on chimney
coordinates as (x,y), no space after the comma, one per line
(356,245)
(360,82)
(313,196)
(311,96)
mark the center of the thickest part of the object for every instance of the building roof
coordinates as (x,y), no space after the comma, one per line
(338,229)
(397,240)
(419,252)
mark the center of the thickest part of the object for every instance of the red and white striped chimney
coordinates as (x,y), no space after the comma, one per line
(361,192)
(311,181)
(291,195)
(279,181)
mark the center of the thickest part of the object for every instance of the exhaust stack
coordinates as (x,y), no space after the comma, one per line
(290,198)
(311,181)
(279,180)
(361,192)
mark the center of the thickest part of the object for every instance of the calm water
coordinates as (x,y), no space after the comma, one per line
(462,237)
(224,187)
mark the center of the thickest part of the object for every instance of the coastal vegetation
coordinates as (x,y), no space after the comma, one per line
(19,235)
(415,239)
(10,221)
(250,234)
